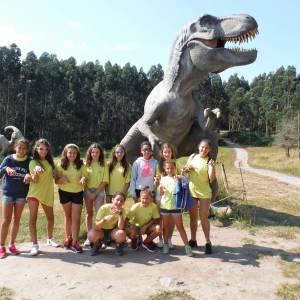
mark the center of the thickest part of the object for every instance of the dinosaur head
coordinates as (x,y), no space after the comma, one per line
(208,38)
(203,44)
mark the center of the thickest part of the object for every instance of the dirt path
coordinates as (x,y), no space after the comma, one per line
(242,266)
(242,161)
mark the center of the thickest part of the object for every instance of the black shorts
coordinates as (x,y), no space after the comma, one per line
(65,197)
(107,236)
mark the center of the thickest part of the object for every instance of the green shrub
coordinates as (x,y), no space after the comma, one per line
(249,138)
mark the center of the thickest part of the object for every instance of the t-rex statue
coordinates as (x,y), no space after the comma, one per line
(172,113)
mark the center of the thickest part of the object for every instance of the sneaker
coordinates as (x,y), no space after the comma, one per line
(34,250)
(2,252)
(76,248)
(87,243)
(193,243)
(95,250)
(165,249)
(13,250)
(160,243)
(153,245)
(170,243)
(134,244)
(103,245)
(52,243)
(119,249)
(68,242)
(188,250)
(208,248)
(148,246)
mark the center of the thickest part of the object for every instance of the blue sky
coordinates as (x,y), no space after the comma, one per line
(142,32)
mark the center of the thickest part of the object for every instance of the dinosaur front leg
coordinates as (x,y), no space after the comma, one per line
(147,132)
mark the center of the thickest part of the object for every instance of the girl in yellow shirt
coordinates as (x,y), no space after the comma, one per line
(41,191)
(70,189)
(119,173)
(201,171)
(96,172)
(167,152)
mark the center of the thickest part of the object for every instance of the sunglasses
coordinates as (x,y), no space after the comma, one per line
(119,152)
(147,150)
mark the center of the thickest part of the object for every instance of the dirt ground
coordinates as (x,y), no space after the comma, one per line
(242,266)
(245,264)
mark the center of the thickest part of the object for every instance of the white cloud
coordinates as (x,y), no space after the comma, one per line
(9,35)
(124,47)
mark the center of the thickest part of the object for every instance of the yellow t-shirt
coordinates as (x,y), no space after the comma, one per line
(95,174)
(43,189)
(198,178)
(167,199)
(117,180)
(139,215)
(74,176)
(105,210)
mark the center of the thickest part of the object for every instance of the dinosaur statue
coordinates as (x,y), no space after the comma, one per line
(172,113)
(5,144)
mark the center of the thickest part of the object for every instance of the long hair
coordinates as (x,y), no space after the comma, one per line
(162,159)
(49,156)
(114,161)
(88,157)
(64,159)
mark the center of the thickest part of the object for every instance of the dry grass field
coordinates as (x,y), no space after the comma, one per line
(274,158)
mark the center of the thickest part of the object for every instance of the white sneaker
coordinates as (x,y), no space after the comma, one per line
(34,250)
(87,243)
(160,244)
(52,243)
(170,244)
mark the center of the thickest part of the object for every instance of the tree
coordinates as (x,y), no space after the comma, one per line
(287,135)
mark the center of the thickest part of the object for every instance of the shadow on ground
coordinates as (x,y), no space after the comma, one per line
(246,255)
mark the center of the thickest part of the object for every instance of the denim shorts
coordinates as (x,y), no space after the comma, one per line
(100,194)
(168,212)
(13,199)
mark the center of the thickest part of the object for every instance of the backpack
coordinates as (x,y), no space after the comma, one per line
(182,196)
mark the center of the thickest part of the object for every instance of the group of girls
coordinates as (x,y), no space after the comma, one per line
(95,182)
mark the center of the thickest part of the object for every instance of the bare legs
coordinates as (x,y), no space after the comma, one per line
(179,225)
(8,211)
(33,210)
(72,220)
(90,205)
(203,214)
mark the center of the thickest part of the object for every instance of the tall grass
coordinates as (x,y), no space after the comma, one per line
(274,158)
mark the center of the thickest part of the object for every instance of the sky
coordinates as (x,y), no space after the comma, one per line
(142,32)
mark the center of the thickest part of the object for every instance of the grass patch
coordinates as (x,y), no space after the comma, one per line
(289,291)
(290,269)
(248,241)
(171,295)
(6,293)
(273,158)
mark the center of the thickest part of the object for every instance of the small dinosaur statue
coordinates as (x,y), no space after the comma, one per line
(5,144)
(172,113)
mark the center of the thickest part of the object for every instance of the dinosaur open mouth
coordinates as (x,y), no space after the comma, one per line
(242,38)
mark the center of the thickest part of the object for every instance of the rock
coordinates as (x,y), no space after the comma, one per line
(167,281)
